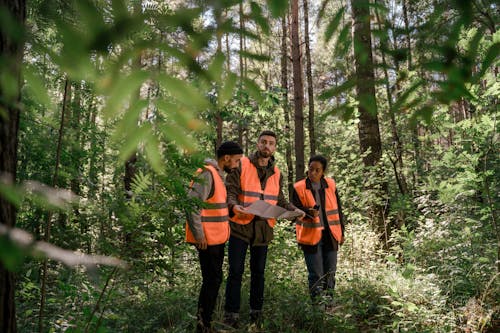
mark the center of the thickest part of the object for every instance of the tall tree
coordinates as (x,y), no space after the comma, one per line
(242,72)
(130,168)
(55,177)
(286,106)
(397,144)
(414,134)
(11,55)
(310,90)
(368,126)
(298,93)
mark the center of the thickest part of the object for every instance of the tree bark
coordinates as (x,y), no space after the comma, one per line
(310,90)
(11,53)
(414,133)
(242,73)
(298,93)
(55,176)
(368,127)
(397,145)
(218,115)
(286,108)
(130,169)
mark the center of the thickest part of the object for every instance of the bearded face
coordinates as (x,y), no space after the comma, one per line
(266,146)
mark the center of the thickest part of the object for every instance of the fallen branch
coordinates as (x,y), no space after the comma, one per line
(26,241)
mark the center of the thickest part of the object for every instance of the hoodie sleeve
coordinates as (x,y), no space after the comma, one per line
(201,190)
(233,187)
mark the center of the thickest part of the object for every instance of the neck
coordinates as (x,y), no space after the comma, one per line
(220,164)
(263,161)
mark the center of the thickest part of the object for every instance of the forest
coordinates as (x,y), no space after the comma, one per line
(108,108)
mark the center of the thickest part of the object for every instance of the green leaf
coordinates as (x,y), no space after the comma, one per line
(183,92)
(333,24)
(153,154)
(226,92)
(490,57)
(216,67)
(256,14)
(176,135)
(130,119)
(335,91)
(255,56)
(277,7)
(37,86)
(180,115)
(119,8)
(121,89)
(133,139)
(406,94)
(253,89)
(11,255)
(11,194)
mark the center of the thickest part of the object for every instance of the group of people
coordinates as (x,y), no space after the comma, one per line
(223,217)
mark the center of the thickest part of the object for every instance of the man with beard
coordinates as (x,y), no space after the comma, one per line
(208,228)
(257,178)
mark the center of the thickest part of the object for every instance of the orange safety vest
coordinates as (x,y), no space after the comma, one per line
(251,190)
(214,217)
(309,230)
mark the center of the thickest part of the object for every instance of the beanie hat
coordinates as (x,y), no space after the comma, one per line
(229,148)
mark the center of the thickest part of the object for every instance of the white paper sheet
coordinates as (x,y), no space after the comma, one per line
(263,209)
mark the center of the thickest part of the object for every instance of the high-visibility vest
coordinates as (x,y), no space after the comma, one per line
(214,217)
(309,230)
(251,190)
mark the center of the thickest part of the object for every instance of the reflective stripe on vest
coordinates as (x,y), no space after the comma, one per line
(251,190)
(308,232)
(214,216)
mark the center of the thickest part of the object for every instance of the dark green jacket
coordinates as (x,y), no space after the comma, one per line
(257,232)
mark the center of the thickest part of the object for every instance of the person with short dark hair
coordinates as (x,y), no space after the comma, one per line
(321,232)
(256,178)
(208,228)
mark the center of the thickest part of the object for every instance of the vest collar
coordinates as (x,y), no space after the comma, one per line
(322,181)
(254,159)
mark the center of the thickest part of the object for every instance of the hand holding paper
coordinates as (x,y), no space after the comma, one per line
(266,210)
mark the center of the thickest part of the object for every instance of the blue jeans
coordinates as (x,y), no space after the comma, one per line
(237,251)
(321,265)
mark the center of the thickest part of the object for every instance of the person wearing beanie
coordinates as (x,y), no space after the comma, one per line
(208,227)
(256,178)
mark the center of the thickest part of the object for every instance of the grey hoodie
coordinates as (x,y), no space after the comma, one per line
(202,189)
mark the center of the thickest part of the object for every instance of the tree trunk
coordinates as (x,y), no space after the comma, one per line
(286,108)
(11,53)
(76,143)
(55,176)
(242,74)
(218,115)
(397,145)
(310,90)
(130,169)
(414,133)
(298,94)
(368,127)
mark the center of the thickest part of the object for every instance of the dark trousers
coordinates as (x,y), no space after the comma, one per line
(237,251)
(211,270)
(322,266)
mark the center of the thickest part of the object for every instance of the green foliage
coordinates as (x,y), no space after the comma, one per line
(148,82)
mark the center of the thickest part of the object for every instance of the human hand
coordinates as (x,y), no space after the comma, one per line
(313,212)
(239,211)
(202,244)
(301,212)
